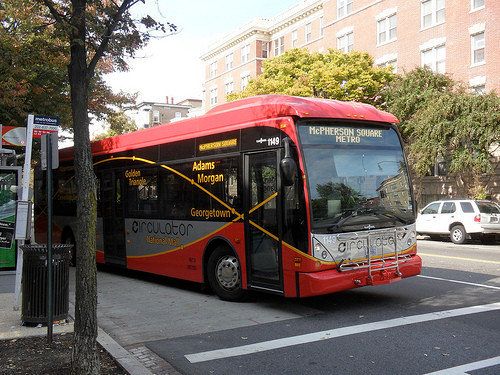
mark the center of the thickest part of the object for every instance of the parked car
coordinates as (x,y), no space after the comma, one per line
(461,219)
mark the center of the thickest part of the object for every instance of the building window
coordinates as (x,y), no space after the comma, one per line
(213,96)
(434,58)
(308,33)
(392,63)
(478,85)
(245,54)
(345,42)
(344,8)
(432,13)
(178,115)
(480,90)
(156,117)
(228,87)
(321,31)
(265,49)
(213,69)
(229,61)
(294,38)
(386,29)
(244,81)
(476,4)
(279,46)
(477,49)
(388,60)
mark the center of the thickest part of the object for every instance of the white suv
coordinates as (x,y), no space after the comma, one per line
(460,219)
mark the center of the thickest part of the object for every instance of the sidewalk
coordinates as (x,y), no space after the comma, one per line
(10,320)
(11,328)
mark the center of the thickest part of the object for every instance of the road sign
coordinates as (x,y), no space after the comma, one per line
(45,120)
(14,136)
(44,125)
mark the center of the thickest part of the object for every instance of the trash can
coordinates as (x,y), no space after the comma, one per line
(34,283)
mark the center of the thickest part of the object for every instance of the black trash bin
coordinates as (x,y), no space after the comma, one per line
(34,284)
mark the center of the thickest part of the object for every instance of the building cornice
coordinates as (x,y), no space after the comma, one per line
(264,28)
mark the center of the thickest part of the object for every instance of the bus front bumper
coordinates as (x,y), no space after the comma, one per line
(331,281)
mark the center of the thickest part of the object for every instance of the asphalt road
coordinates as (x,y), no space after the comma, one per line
(448,317)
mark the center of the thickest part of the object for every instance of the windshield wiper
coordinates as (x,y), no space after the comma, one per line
(353,213)
(392,215)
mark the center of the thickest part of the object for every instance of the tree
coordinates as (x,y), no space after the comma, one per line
(459,127)
(33,69)
(408,93)
(331,75)
(119,123)
(441,119)
(32,65)
(95,31)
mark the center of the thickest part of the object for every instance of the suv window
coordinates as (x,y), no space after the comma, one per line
(448,208)
(488,208)
(431,209)
(467,207)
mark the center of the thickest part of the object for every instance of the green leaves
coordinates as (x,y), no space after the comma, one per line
(332,75)
(440,119)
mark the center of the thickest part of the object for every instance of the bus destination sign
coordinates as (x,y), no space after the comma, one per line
(344,134)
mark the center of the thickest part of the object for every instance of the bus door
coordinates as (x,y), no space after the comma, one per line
(262,221)
(111,186)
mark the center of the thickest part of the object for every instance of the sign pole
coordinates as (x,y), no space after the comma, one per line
(24,197)
(50,297)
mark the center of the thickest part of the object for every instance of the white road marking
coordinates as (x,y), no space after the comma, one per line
(468,367)
(459,258)
(460,282)
(338,332)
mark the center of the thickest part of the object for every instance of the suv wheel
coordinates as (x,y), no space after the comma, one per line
(458,234)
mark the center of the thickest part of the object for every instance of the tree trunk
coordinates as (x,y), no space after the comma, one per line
(85,357)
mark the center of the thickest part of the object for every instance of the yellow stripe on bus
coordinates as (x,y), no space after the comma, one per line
(264,231)
(271,197)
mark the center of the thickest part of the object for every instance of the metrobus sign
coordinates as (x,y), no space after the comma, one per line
(45,124)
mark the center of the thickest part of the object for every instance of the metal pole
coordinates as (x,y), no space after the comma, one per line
(49,239)
(24,197)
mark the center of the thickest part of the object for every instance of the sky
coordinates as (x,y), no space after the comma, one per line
(171,66)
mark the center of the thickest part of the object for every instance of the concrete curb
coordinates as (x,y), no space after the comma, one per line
(121,355)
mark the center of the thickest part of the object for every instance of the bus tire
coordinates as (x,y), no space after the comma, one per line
(458,234)
(69,239)
(224,274)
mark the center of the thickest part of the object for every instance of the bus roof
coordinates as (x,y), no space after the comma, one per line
(231,116)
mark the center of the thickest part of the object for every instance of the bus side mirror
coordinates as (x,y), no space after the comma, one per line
(288,166)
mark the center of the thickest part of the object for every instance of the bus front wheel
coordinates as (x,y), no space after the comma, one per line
(224,274)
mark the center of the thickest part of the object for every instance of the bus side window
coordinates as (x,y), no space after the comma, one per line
(142,195)
(178,193)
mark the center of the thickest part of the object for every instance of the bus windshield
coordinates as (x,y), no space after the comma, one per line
(357,177)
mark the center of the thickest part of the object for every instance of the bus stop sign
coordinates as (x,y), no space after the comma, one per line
(44,124)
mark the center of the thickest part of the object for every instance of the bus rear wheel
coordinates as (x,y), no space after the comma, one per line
(224,274)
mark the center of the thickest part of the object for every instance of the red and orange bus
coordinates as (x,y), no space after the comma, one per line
(293,196)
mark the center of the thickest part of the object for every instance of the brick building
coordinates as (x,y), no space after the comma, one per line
(457,37)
